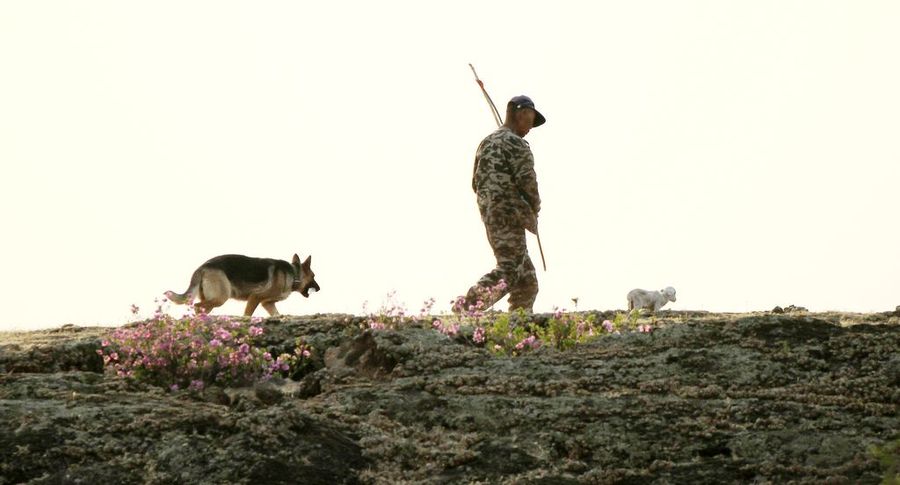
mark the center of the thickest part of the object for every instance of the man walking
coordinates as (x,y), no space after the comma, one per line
(508,199)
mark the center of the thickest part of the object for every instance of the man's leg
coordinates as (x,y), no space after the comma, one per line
(524,292)
(511,252)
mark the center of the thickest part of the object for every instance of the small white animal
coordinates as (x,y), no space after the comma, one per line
(651,300)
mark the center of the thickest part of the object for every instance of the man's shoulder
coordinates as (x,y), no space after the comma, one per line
(506,136)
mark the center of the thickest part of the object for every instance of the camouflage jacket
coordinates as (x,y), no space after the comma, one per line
(504,179)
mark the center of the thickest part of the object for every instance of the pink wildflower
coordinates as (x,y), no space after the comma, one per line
(478,336)
(530,341)
(256,331)
(608,326)
(426,307)
(458,305)
(215,343)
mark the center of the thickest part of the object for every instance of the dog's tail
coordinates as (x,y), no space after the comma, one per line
(190,293)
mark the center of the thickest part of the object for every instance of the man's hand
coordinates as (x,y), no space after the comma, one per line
(530,222)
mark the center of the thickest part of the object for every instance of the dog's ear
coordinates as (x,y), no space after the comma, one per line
(296,259)
(308,261)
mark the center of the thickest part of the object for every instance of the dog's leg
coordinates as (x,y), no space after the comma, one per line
(252,303)
(270,307)
(206,306)
(214,291)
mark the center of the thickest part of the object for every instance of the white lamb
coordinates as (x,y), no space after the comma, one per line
(651,300)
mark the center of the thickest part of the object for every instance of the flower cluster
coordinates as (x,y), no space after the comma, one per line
(564,330)
(391,315)
(478,335)
(505,333)
(608,326)
(530,342)
(514,334)
(447,329)
(191,352)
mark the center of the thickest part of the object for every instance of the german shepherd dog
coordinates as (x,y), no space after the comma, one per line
(254,280)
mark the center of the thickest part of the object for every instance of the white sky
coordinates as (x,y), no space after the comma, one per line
(745,153)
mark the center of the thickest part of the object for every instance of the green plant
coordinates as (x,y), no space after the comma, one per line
(504,337)
(625,322)
(501,333)
(565,330)
(889,457)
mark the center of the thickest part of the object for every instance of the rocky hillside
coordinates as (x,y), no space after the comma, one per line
(704,398)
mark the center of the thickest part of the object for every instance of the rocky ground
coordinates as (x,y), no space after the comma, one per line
(705,398)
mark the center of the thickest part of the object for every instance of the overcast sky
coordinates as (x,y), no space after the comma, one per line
(745,153)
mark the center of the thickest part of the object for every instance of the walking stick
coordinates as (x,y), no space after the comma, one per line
(497,119)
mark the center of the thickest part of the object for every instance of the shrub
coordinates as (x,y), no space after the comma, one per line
(193,352)
(564,330)
(392,314)
(504,333)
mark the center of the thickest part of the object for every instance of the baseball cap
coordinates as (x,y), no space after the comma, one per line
(523,101)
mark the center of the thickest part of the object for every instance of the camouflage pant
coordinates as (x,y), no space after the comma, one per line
(507,238)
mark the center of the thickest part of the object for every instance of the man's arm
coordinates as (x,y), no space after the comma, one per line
(526,180)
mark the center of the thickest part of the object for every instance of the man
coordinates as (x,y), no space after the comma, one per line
(506,186)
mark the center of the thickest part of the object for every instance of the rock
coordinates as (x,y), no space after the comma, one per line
(268,393)
(706,398)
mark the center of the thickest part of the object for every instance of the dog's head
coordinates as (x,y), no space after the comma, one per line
(669,292)
(306,279)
